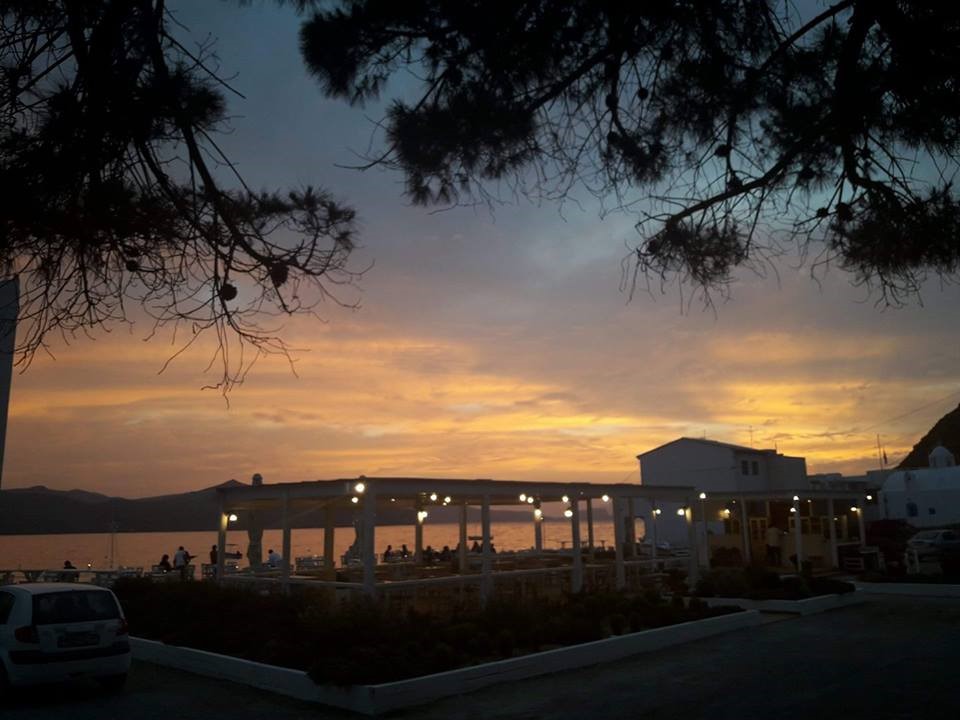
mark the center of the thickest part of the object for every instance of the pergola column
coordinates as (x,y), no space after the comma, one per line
(463,539)
(486,583)
(834,554)
(418,533)
(798,532)
(860,523)
(631,529)
(618,542)
(576,576)
(368,553)
(329,528)
(653,521)
(590,525)
(745,531)
(693,541)
(285,540)
(537,527)
(222,540)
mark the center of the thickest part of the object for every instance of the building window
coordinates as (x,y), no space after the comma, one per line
(911,509)
(756,467)
(744,467)
(932,511)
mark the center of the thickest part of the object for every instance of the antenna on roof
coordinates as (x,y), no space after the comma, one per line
(751,436)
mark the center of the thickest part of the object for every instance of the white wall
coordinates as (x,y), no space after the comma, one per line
(703,466)
(937,488)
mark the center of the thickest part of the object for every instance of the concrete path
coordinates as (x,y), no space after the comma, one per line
(891,658)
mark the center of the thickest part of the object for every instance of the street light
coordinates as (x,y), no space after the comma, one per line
(232,517)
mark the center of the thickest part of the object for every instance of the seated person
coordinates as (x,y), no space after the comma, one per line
(388,554)
(164,564)
(274,559)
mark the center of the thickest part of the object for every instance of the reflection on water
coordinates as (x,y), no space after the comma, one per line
(145,549)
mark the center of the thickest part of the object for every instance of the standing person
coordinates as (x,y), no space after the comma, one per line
(181,560)
(213,555)
(773,546)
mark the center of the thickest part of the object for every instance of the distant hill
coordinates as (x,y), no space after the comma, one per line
(945,432)
(40,510)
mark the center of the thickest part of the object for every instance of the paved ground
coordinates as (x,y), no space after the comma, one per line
(896,658)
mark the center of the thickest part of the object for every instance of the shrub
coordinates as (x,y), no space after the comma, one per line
(723,582)
(363,642)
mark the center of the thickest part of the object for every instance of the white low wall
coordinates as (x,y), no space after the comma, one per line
(808,606)
(914,589)
(375,699)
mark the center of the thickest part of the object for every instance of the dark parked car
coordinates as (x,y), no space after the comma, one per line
(934,542)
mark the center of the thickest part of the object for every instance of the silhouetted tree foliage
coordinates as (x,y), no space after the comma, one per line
(733,128)
(115,191)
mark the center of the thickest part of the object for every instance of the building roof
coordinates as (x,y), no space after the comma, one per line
(716,443)
(402,492)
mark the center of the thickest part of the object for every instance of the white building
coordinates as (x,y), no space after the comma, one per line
(924,497)
(709,465)
(745,491)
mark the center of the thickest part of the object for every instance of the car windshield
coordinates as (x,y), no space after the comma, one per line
(74,606)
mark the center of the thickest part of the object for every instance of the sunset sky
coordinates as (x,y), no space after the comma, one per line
(487,344)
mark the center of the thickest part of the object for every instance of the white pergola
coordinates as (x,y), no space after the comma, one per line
(366,495)
(852,497)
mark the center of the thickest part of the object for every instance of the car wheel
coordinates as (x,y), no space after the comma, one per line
(113,683)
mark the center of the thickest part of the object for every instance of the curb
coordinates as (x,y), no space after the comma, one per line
(808,606)
(376,699)
(909,589)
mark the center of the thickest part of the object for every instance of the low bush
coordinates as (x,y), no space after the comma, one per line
(760,584)
(361,642)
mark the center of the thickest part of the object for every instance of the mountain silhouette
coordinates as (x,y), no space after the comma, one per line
(946,432)
(40,510)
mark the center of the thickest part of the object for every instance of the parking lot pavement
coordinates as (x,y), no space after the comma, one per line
(156,693)
(890,658)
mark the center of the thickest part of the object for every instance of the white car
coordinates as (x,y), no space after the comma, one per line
(52,632)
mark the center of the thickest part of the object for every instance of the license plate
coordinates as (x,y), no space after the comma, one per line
(78,639)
